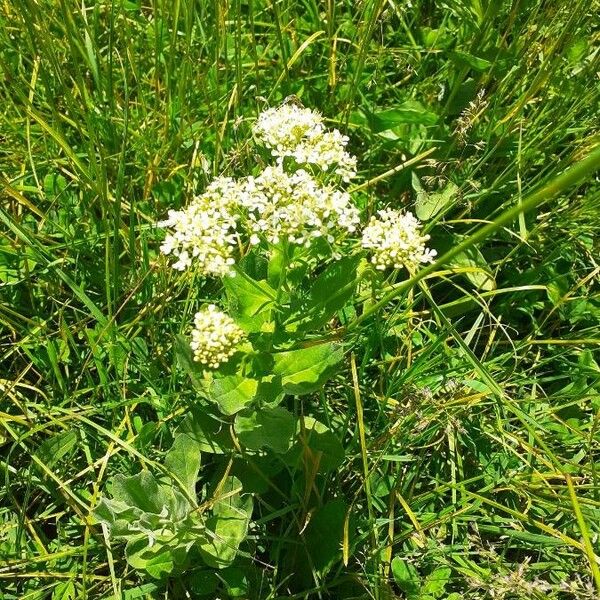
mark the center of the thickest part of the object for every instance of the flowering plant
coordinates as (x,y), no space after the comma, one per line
(288,247)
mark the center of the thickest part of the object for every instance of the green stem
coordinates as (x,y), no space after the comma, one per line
(572,175)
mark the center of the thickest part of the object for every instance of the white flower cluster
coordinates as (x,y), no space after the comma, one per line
(395,240)
(283,128)
(291,130)
(296,208)
(287,203)
(205,231)
(215,337)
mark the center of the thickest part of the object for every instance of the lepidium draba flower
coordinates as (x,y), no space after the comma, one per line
(296,208)
(283,128)
(395,240)
(204,233)
(298,132)
(215,337)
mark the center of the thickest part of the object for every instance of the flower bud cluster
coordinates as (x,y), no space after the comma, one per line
(215,337)
(395,240)
(297,132)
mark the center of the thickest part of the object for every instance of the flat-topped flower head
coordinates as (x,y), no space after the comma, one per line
(281,129)
(215,337)
(327,151)
(296,208)
(297,132)
(395,240)
(204,233)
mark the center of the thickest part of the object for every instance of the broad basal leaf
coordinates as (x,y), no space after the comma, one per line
(228,524)
(250,301)
(157,557)
(157,521)
(315,442)
(411,111)
(141,491)
(464,59)
(183,462)
(118,516)
(406,578)
(140,554)
(324,535)
(330,292)
(436,581)
(479,273)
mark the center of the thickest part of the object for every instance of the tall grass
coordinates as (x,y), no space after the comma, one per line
(469,413)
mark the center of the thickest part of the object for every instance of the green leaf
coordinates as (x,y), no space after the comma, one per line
(577,50)
(141,491)
(406,578)
(250,301)
(266,428)
(464,59)
(183,461)
(227,525)
(235,581)
(57,447)
(481,275)
(306,370)
(411,111)
(427,205)
(436,581)
(211,434)
(436,38)
(330,292)
(201,583)
(157,560)
(460,97)
(140,591)
(324,535)
(270,391)
(232,393)
(160,565)
(64,590)
(118,516)
(277,261)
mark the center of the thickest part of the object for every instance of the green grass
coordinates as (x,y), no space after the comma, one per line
(468,405)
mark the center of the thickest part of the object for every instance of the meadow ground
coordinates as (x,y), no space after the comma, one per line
(459,455)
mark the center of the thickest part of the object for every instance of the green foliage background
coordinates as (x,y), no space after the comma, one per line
(463,453)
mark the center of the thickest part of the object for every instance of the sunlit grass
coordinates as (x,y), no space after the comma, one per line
(468,405)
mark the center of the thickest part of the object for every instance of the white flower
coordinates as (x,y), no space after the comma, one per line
(295,208)
(298,132)
(204,233)
(395,240)
(281,129)
(215,337)
(327,149)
